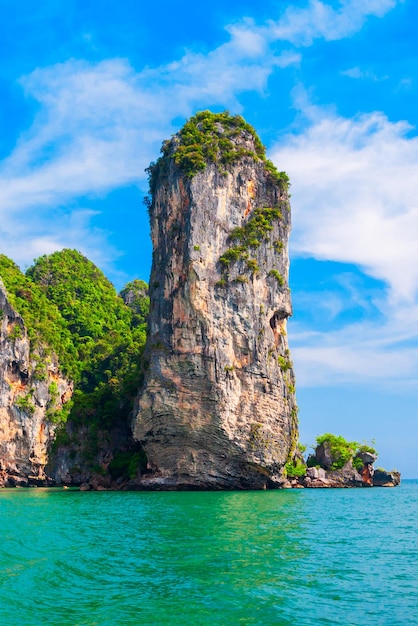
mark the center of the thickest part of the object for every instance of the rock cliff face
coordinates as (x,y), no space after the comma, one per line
(218,410)
(31,389)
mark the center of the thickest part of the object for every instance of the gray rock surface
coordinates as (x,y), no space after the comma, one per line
(323,455)
(217,410)
(382,478)
(367,457)
(25,397)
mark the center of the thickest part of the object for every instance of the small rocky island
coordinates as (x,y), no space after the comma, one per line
(337,462)
(187,384)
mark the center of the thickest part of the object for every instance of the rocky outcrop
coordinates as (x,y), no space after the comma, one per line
(340,463)
(32,394)
(382,478)
(318,477)
(348,476)
(218,410)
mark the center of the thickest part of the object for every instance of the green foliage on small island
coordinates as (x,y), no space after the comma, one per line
(342,451)
(357,463)
(365,447)
(212,138)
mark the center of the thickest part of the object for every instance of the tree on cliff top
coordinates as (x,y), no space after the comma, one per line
(213,138)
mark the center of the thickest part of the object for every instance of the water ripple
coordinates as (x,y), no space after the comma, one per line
(280,558)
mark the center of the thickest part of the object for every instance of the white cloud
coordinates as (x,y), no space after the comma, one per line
(355,195)
(367,74)
(99,125)
(367,354)
(354,200)
(319,20)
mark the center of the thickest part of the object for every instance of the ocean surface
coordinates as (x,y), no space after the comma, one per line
(292,557)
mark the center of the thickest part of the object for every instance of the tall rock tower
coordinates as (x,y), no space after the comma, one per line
(217,409)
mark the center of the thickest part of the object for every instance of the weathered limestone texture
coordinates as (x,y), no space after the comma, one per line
(30,386)
(217,409)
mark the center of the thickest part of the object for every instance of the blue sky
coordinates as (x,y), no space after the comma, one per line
(90,88)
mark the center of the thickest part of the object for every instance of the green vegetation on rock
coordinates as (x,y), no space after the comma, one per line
(25,403)
(357,463)
(70,308)
(135,295)
(107,335)
(46,328)
(295,468)
(212,138)
(285,362)
(276,274)
(340,451)
(250,236)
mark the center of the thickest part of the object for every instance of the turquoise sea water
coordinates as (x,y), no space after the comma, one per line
(293,557)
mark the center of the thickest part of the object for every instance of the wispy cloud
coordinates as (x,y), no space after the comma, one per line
(365,74)
(355,194)
(354,199)
(99,125)
(369,354)
(302,26)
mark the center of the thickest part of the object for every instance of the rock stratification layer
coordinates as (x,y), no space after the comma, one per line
(32,392)
(217,409)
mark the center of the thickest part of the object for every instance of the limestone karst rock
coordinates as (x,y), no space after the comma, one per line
(217,409)
(32,391)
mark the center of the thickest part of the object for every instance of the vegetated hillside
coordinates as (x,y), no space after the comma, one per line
(44,323)
(107,336)
(72,310)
